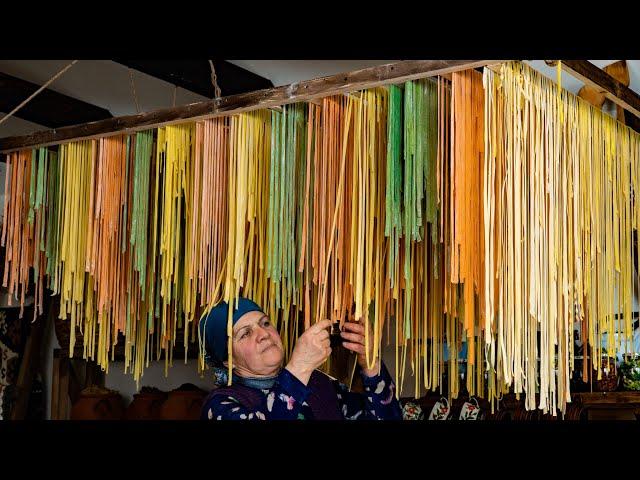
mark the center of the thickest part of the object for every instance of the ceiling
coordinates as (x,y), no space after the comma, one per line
(283,72)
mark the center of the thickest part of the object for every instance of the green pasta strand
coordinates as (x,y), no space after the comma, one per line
(393,223)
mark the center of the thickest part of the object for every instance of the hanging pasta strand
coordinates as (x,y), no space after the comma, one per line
(393,224)
(248,135)
(175,151)
(487,217)
(368,212)
(572,237)
(76,161)
(467,166)
(37,205)
(286,199)
(213,206)
(17,233)
(306,242)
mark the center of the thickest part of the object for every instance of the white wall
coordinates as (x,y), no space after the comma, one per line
(17,126)
(154,376)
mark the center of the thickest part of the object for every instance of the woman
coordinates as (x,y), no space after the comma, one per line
(264,389)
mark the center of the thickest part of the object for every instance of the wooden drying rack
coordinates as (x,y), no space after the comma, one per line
(306,91)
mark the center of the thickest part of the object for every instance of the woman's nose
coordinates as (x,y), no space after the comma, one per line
(262,333)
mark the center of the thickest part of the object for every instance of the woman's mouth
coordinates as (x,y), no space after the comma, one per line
(270,346)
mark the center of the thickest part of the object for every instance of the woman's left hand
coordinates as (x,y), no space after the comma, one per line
(354,339)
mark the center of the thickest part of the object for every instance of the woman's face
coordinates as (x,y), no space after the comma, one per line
(257,347)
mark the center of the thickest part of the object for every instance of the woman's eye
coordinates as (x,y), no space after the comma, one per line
(244,334)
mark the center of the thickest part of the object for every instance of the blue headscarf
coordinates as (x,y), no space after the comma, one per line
(213,328)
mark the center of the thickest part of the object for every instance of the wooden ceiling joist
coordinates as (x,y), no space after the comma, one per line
(195,75)
(307,90)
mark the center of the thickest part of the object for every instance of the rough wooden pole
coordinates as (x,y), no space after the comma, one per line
(307,90)
(593,76)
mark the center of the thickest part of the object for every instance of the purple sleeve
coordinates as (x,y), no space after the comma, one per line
(377,403)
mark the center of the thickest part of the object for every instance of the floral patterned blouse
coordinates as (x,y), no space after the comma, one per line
(286,400)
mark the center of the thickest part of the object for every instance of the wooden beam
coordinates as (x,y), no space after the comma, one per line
(603,398)
(195,75)
(632,121)
(55,388)
(60,386)
(593,76)
(48,108)
(296,92)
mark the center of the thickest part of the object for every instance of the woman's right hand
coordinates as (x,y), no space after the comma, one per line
(311,350)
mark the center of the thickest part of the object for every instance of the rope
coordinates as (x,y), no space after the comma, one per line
(214,80)
(49,82)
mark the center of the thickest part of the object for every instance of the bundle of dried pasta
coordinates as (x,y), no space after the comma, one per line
(559,180)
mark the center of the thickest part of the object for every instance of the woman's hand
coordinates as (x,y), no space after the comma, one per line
(311,350)
(353,334)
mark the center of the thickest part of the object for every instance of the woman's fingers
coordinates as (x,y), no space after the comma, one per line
(353,327)
(354,337)
(322,334)
(320,326)
(355,347)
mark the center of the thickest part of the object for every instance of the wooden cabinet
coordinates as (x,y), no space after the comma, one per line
(585,406)
(609,405)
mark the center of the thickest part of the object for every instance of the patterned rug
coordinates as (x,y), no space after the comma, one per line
(12,341)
